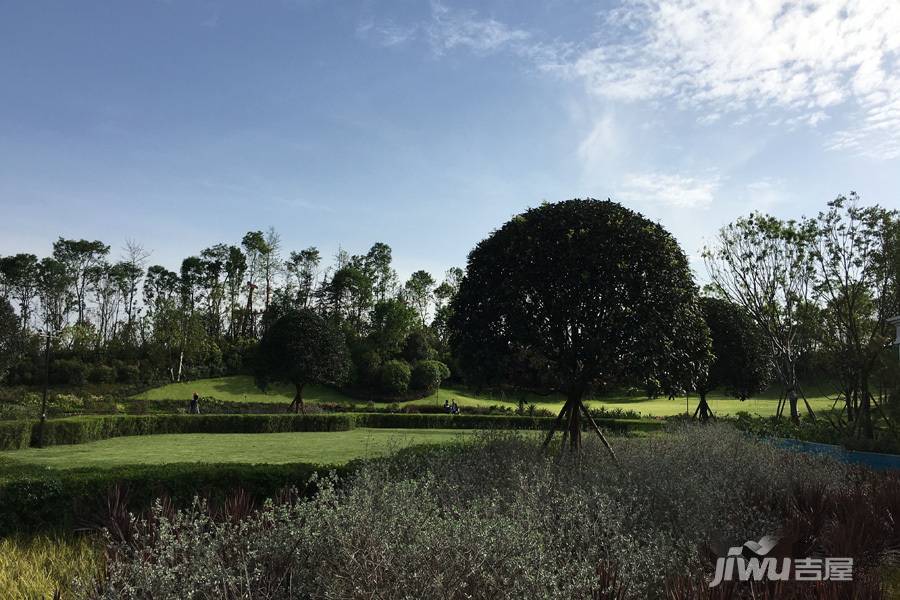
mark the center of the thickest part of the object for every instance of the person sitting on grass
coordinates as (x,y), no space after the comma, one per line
(446,405)
(195,404)
(454,408)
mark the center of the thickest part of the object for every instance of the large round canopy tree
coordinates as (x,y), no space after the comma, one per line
(579,294)
(302,348)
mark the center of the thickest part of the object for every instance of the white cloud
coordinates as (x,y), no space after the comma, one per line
(748,56)
(386,33)
(787,63)
(451,29)
(672,190)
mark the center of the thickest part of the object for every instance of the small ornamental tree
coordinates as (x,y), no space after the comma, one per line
(302,348)
(394,378)
(742,360)
(570,296)
(765,266)
(427,375)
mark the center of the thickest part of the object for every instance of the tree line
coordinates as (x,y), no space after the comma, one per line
(121,317)
(574,297)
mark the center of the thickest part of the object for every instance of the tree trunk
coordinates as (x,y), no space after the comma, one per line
(865,411)
(574,422)
(297,403)
(792,399)
(703,409)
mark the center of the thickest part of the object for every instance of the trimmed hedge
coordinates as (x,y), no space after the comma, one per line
(445,421)
(468,421)
(15,435)
(33,500)
(78,430)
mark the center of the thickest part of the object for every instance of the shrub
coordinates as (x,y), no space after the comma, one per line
(517,522)
(34,500)
(15,435)
(78,430)
(68,371)
(427,375)
(128,374)
(394,377)
(102,374)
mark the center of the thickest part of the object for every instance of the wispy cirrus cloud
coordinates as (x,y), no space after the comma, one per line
(450,29)
(669,189)
(446,29)
(800,59)
(794,63)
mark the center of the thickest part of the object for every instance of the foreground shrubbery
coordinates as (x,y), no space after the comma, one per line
(822,431)
(504,520)
(34,499)
(41,566)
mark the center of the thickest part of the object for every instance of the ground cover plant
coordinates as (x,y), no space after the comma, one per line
(505,520)
(41,566)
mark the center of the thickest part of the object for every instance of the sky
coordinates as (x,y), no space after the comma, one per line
(425,124)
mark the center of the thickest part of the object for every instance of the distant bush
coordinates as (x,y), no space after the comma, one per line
(417,347)
(394,377)
(128,374)
(427,375)
(102,374)
(68,371)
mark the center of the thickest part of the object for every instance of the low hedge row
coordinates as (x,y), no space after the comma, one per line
(15,435)
(78,430)
(33,500)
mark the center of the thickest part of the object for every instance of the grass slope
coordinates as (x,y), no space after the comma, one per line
(242,389)
(250,448)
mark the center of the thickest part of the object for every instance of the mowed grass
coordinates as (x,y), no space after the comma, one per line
(243,389)
(250,448)
(240,388)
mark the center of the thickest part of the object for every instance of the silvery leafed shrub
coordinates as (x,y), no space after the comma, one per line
(495,519)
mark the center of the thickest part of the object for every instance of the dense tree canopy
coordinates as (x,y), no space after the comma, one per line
(741,364)
(302,348)
(10,337)
(576,295)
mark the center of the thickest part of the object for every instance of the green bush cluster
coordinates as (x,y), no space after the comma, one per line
(427,375)
(102,374)
(33,500)
(394,378)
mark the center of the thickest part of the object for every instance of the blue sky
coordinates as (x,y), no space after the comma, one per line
(425,125)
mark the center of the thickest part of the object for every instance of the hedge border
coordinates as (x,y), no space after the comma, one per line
(33,500)
(16,435)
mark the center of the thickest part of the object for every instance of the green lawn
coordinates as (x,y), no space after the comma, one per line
(273,448)
(242,389)
(239,389)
